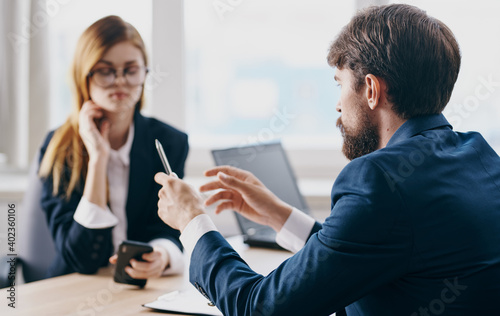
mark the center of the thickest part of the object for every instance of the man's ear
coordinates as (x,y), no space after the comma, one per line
(373,90)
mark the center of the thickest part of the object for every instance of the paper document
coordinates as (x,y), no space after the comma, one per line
(187,301)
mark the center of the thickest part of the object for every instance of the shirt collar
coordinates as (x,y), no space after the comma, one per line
(417,125)
(123,153)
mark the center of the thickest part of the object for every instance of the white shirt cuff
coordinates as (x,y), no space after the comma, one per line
(194,230)
(176,265)
(93,216)
(295,232)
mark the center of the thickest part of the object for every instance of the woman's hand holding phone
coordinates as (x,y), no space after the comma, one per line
(136,262)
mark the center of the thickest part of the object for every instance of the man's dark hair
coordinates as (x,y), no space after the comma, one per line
(416,55)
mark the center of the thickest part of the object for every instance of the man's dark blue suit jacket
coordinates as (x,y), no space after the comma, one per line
(414,230)
(84,250)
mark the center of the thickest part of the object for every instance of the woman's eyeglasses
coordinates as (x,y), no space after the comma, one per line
(106,77)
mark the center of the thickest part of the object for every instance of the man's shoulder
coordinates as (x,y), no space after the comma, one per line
(432,144)
(368,170)
(424,156)
(381,159)
(418,148)
(400,158)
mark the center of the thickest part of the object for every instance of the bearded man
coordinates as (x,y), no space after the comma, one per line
(414,227)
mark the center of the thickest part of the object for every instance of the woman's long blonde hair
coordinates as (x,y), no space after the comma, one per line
(66,153)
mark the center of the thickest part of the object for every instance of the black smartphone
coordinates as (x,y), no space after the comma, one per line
(130,249)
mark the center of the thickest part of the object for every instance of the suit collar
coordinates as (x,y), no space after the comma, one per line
(417,125)
(139,155)
(141,169)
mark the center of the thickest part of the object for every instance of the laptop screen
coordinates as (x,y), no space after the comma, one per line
(269,163)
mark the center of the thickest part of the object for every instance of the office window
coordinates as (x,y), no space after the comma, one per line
(250,65)
(66,27)
(257,70)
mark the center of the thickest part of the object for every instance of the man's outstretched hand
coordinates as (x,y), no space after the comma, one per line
(242,192)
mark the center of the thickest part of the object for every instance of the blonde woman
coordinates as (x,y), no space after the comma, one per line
(98,167)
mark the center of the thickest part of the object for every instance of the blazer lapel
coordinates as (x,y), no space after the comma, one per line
(141,171)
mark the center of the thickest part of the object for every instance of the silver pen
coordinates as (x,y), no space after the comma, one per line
(163,157)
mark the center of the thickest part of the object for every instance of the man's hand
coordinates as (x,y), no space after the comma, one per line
(178,203)
(245,194)
(152,267)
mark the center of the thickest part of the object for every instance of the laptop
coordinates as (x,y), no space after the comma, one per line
(269,163)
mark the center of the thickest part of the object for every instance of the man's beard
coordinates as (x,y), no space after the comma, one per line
(361,142)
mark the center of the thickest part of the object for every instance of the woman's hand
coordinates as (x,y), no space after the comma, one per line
(152,267)
(242,192)
(95,138)
(97,144)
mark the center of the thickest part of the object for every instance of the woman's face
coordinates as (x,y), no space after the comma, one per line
(117,79)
